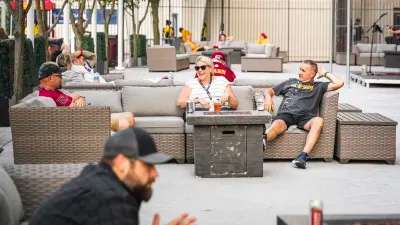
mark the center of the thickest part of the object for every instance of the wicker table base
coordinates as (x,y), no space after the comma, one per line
(365,136)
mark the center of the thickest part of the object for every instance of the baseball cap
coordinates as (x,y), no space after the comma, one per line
(220,55)
(47,69)
(134,143)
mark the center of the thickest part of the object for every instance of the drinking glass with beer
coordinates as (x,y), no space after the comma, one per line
(217,105)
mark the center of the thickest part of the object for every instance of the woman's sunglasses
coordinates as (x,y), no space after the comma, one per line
(203,67)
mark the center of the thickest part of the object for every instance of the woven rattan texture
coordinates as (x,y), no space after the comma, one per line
(189,148)
(289,145)
(172,144)
(345,107)
(365,136)
(35,182)
(59,135)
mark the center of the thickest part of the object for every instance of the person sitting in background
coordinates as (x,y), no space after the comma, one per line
(194,46)
(54,48)
(220,67)
(184,34)
(205,88)
(50,81)
(82,62)
(395,38)
(302,97)
(262,39)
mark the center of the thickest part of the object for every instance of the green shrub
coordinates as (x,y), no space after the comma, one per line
(141,45)
(6,68)
(101,48)
(87,43)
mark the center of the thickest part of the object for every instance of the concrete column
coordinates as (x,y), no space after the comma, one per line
(120,35)
(94,26)
(348,42)
(30,23)
(66,33)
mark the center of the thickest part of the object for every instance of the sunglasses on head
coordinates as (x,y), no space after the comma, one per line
(203,67)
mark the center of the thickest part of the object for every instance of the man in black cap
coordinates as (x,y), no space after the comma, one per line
(112,191)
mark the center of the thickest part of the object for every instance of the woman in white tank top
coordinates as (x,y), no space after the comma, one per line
(206,88)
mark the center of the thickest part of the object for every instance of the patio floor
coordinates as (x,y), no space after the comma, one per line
(355,188)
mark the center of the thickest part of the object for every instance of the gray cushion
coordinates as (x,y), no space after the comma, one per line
(103,98)
(365,48)
(88,85)
(37,101)
(188,49)
(151,101)
(11,211)
(189,129)
(161,124)
(385,47)
(269,49)
(374,54)
(259,83)
(237,44)
(244,94)
(144,82)
(255,49)
(182,56)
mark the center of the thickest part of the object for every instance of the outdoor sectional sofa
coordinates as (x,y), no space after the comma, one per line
(363,51)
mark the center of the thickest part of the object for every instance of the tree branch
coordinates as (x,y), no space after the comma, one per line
(27,8)
(57,19)
(144,17)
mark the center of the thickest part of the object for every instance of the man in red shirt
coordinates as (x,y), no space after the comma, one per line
(220,68)
(50,81)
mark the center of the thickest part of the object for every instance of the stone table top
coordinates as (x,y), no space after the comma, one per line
(239,117)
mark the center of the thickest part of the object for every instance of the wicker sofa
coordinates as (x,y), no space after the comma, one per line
(262,58)
(363,51)
(289,145)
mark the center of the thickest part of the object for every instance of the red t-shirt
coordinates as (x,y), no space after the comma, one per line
(59,98)
(221,69)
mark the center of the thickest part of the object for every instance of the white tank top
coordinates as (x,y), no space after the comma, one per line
(216,90)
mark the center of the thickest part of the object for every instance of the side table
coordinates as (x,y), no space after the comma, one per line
(365,136)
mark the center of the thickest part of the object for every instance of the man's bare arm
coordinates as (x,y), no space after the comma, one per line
(269,101)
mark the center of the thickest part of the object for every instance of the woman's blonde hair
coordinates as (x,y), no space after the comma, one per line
(206,60)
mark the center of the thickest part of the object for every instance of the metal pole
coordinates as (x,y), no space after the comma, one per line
(120,35)
(222,17)
(348,43)
(94,26)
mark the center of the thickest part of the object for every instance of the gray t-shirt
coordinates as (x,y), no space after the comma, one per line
(300,98)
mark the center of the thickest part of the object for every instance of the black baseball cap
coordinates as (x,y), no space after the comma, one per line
(47,69)
(134,143)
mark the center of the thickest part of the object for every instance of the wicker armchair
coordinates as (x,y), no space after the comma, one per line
(290,144)
(46,135)
(164,58)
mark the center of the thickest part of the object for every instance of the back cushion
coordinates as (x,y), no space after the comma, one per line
(255,49)
(385,47)
(37,101)
(151,101)
(11,211)
(244,94)
(103,98)
(363,48)
(268,50)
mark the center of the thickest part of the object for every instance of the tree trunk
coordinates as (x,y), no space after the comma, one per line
(106,36)
(78,41)
(18,51)
(154,13)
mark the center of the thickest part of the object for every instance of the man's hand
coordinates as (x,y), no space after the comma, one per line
(183,219)
(321,71)
(79,102)
(269,106)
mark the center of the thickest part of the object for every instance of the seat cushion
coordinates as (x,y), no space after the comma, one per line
(362,48)
(259,83)
(161,124)
(11,211)
(103,98)
(374,54)
(252,55)
(381,48)
(244,95)
(151,101)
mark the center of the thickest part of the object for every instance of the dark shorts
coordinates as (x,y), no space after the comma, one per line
(292,119)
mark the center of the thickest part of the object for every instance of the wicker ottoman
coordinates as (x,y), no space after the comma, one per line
(345,107)
(365,136)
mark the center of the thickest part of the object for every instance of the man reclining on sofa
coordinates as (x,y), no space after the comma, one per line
(50,80)
(301,99)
